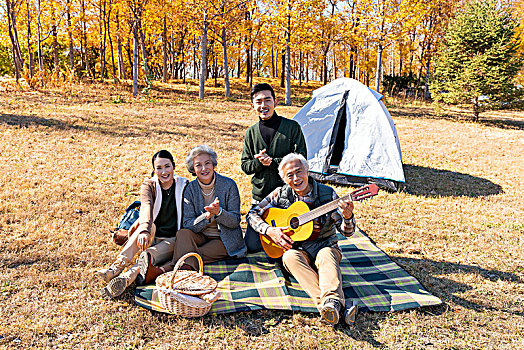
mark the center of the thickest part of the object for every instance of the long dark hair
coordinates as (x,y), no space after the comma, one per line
(162,154)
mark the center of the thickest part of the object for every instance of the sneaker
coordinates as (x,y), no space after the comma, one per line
(114,270)
(148,272)
(115,287)
(330,311)
(350,314)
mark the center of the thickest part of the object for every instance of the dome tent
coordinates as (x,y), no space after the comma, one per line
(350,136)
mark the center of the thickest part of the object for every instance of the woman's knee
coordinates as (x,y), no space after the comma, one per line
(184,234)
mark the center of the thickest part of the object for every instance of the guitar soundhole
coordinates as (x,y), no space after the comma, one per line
(293,223)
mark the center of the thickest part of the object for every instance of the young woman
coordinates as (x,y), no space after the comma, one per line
(160,219)
(211,223)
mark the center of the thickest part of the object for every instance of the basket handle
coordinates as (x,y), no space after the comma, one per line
(179,264)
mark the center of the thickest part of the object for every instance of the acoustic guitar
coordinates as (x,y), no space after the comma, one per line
(299,219)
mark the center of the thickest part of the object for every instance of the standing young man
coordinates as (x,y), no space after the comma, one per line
(265,144)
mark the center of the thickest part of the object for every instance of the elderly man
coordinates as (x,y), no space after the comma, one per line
(315,264)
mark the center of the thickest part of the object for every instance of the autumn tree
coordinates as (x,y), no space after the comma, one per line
(205,14)
(478,57)
(287,18)
(518,6)
(13,7)
(229,15)
(385,26)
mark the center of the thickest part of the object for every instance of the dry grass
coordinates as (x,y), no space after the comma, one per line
(72,159)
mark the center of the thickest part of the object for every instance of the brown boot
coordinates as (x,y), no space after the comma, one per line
(148,272)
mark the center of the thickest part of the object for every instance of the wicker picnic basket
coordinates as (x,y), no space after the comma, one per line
(187,293)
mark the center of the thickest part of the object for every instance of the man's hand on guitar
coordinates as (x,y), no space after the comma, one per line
(279,237)
(346,208)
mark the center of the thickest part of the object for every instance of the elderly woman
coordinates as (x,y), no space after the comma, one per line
(211,222)
(159,220)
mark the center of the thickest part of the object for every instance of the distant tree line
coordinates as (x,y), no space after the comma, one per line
(389,44)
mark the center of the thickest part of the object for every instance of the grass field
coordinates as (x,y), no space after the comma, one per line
(72,159)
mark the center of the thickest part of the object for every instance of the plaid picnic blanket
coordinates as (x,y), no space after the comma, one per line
(256,282)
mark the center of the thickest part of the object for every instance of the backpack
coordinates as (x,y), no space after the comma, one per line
(122,231)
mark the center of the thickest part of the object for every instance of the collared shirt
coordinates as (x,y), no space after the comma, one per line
(344,226)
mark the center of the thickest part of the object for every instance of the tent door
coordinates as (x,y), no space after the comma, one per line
(338,139)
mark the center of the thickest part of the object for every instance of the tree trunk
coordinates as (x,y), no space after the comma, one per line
(121,66)
(283,72)
(251,68)
(13,35)
(84,35)
(307,68)
(194,58)
(164,51)
(351,63)
(426,84)
(215,69)
(324,69)
(400,59)
(288,62)
(301,69)
(39,32)
(273,70)
(54,31)
(248,63)
(334,64)
(226,68)
(238,67)
(108,26)
(135,59)
(183,66)
(29,47)
(476,109)
(102,44)
(238,59)
(144,51)
(171,52)
(129,50)
(379,67)
(70,34)
(203,62)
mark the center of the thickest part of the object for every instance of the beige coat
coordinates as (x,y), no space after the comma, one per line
(151,199)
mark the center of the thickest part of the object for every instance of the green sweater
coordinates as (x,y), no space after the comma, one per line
(288,139)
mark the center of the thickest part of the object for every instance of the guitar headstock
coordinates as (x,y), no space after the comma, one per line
(364,192)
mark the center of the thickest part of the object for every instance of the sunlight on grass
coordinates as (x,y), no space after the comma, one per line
(73,159)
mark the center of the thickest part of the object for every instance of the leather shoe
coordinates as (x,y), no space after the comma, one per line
(330,311)
(350,314)
(148,272)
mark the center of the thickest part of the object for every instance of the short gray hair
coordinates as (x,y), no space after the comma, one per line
(196,151)
(291,157)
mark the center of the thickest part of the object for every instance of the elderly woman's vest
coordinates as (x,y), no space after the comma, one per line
(322,194)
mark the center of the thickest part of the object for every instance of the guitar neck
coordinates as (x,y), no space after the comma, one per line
(323,209)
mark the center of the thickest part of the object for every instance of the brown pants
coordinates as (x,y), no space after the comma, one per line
(210,249)
(327,283)
(161,250)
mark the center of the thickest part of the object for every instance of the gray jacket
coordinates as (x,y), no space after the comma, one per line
(228,222)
